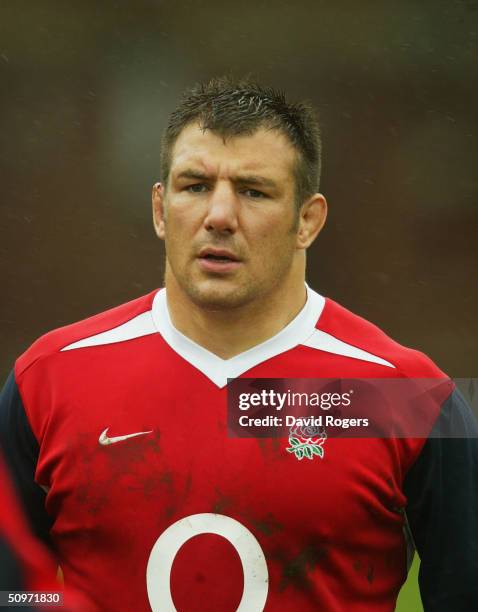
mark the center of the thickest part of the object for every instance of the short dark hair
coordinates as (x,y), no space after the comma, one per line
(230,107)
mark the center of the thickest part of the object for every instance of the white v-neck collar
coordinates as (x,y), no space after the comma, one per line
(219,370)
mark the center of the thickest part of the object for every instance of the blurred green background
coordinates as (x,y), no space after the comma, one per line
(409,598)
(86,90)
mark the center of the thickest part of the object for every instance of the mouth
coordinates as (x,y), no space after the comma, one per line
(223,255)
(218,260)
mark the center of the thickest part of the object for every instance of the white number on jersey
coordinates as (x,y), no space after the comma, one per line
(166,547)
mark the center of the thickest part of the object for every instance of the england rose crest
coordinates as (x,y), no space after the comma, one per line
(306,442)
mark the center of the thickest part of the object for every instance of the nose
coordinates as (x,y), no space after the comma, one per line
(222,210)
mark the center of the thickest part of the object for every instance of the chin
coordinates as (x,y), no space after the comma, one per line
(219,298)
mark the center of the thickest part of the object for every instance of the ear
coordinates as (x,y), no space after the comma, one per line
(158,209)
(312,217)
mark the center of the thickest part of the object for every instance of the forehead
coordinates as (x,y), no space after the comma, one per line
(268,152)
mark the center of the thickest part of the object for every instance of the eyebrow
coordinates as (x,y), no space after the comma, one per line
(249,179)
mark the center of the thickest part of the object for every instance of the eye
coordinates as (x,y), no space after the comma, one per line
(196,188)
(253,193)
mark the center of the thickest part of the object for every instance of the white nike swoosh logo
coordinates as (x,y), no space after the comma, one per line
(104,440)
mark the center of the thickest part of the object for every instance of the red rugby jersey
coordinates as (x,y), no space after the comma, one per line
(152,506)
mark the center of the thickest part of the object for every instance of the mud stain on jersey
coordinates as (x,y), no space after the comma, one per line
(370,573)
(268,525)
(296,570)
(367,570)
(127,452)
(177,493)
(222,503)
(154,482)
(271,447)
(262,445)
(166,478)
(169,512)
(121,460)
(97,504)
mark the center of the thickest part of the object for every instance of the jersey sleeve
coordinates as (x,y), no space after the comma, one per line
(442,510)
(24,563)
(20,450)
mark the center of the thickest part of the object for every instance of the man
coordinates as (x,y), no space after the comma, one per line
(116,426)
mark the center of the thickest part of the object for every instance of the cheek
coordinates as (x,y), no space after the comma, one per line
(174,236)
(181,231)
(279,232)
(183,220)
(274,248)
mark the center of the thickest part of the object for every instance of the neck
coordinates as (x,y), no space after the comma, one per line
(228,332)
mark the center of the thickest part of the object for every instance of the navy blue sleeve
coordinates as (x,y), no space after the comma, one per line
(442,510)
(20,449)
(11,576)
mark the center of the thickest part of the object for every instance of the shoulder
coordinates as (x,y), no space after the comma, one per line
(343,325)
(133,313)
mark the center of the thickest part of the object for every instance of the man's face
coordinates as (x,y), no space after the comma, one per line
(228,216)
